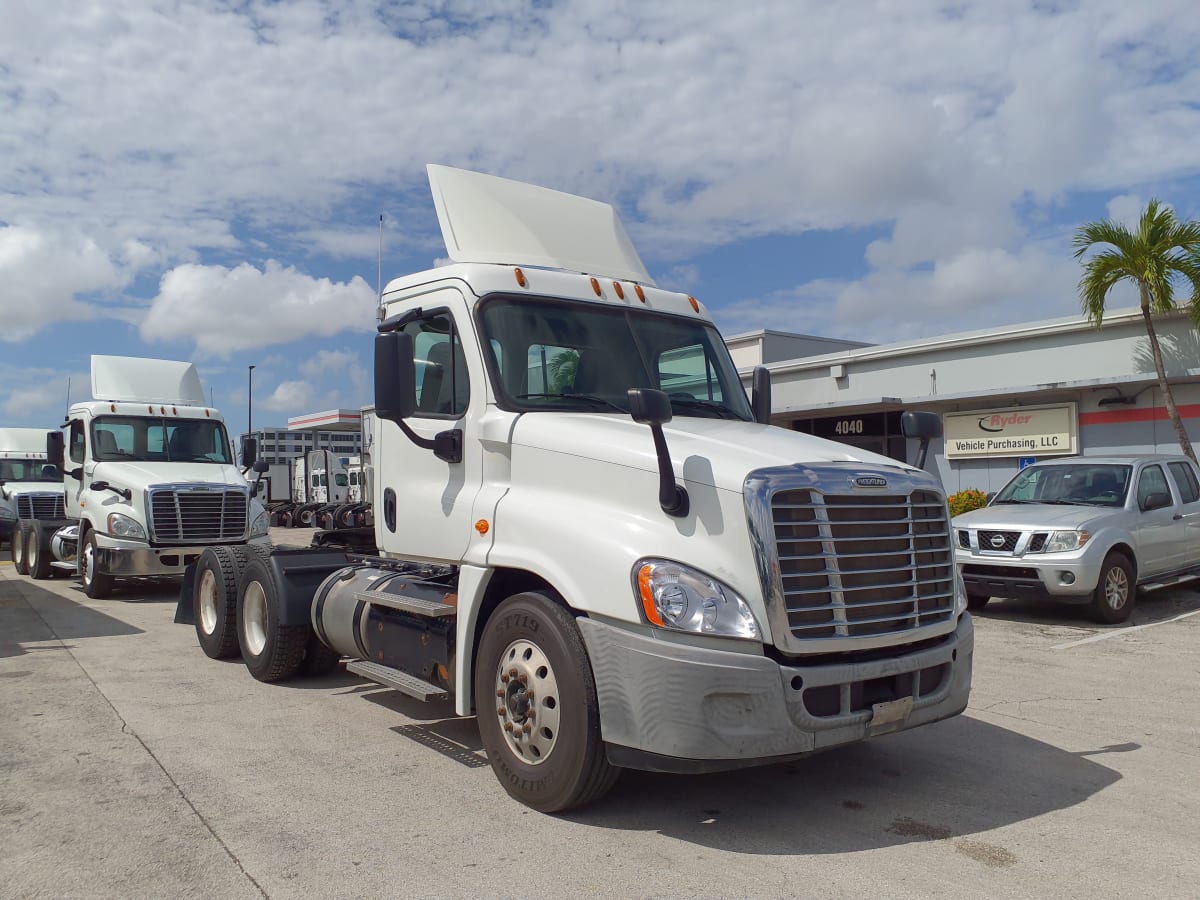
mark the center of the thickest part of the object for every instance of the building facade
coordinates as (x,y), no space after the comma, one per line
(338,431)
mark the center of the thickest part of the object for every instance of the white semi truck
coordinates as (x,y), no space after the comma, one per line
(30,485)
(148,480)
(589,537)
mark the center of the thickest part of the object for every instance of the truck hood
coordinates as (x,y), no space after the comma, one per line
(1031,517)
(715,452)
(31,487)
(138,476)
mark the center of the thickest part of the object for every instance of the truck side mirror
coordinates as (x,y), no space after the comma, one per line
(760,399)
(653,408)
(395,376)
(249,450)
(54,449)
(925,426)
(260,466)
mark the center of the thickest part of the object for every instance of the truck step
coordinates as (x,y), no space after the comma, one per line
(63,566)
(416,605)
(400,681)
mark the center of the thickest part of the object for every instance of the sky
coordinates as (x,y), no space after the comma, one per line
(204,180)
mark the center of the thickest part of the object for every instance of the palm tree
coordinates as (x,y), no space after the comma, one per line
(1161,252)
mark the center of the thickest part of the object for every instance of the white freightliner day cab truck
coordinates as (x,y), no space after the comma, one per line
(587,536)
(30,486)
(148,480)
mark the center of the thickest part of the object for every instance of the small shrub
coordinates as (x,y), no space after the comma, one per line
(965,501)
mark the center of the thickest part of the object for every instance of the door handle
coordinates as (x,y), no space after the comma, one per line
(1177,516)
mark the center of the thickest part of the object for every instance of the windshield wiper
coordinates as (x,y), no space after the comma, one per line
(589,398)
(722,411)
(998,502)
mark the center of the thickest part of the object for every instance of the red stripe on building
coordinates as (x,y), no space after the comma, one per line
(331,420)
(1153,414)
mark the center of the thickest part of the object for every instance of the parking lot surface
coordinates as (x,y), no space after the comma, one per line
(132,765)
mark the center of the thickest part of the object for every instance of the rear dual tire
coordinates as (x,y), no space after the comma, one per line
(271,650)
(19,539)
(37,551)
(215,597)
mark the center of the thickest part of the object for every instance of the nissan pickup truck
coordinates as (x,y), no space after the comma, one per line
(1086,530)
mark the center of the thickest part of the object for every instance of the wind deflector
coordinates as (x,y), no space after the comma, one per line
(486,219)
(129,378)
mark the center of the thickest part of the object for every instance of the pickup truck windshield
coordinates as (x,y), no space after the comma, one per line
(28,470)
(116,438)
(1102,484)
(548,354)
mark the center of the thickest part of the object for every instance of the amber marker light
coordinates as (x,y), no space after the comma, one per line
(695,305)
(520,277)
(648,607)
(596,287)
(151,409)
(482,526)
(113,407)
(174,411)
(620,290)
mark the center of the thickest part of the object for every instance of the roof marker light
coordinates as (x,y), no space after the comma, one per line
(695,305)
(206,412)
(113,407)
(596,286)
(151,408)
(637,289)
(620,290)
(520,277)
(174,411)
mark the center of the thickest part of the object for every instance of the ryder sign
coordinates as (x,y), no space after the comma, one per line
(1019,431)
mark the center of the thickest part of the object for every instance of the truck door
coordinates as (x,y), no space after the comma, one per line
(76,440)
(424,503)
(1158,528)
(1187,484)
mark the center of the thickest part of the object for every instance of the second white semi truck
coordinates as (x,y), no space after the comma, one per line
(591,539)
(30,485)
(148,482)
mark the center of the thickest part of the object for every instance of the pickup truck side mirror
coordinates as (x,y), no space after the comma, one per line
(924,426)
(760,399)
(1155,500)
(653,408)
(395,376)
(54,449)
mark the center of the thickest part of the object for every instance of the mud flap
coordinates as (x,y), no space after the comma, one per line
(185,611)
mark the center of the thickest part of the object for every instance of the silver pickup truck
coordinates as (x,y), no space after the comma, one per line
(1084,530)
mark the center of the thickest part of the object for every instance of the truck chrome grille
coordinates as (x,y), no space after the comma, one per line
(846,561)
(187,514)
(40,506)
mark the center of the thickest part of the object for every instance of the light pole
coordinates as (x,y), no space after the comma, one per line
(250,402)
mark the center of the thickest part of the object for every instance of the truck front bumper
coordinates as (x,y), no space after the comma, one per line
(677,708)
(124,558)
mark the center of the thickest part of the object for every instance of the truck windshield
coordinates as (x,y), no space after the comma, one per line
(28,470)
(548,354)
(116,438)
(1102,484)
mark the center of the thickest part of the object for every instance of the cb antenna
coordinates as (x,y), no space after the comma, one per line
(379,273)
(68,392)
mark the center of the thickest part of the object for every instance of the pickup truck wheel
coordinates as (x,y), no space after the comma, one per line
(20,536)
(96,584)
(215,595)
(1113,600)
(271,651)
(37,552)
(976,602)
(538,715)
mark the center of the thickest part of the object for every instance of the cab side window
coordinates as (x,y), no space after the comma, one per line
(1185,480)
(443,386)
(75,442)
(1152,481)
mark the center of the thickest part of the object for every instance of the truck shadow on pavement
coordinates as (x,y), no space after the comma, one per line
(1155,606)
(941,783)
(30,614)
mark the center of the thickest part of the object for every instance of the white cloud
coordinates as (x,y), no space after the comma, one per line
(36,397)
(227,310)
(290,397)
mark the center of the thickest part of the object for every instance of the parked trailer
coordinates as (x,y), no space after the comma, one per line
(148,480)
(587,536)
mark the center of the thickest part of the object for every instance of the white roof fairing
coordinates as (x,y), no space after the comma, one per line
(130,378)
(487,219)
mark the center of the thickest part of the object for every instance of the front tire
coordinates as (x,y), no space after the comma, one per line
(539,718)
(1113,599)
(271,651)
(96,584)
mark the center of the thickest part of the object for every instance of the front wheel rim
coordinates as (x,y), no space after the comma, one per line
(208,601)
(31,553)
(254,618)
(89,564)
(527,702)
(1116,588)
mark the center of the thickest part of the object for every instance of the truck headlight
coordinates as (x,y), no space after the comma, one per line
(1061,541)
(261,525)
(123,526)
(678,597)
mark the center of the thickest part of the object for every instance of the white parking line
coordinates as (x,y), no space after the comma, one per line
(1105,635)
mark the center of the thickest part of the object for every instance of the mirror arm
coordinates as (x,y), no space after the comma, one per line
(446,445)
(672,497)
